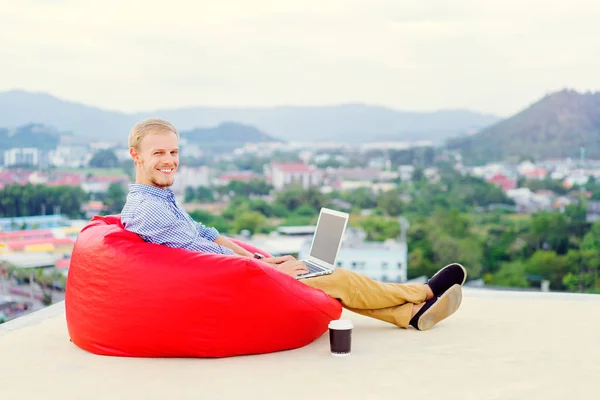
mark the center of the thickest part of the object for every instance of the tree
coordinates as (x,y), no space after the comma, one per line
(419,264)
(262,207)
(305,211)
(204,194)
(418,175)
(390,203)
(115,197)
(585,263)
(466,251)
(549,231)
(189,194)
(294,196)
(104,159)
(511,274)
(210,220)
(362,198)
(547,265)
(380,228)
(26,200)
(250,220)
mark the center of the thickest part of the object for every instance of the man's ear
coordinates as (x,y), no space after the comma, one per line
(134,154)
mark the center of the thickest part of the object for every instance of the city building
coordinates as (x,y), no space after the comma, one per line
(27,156)
(284,174)
(100,184)
(73,156)
(190,176)
(382,261)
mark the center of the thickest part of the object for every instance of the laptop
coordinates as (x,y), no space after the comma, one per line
(326,243)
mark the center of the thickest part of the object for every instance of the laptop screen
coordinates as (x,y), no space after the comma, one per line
(328,235)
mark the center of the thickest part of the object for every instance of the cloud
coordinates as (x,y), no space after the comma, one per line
(495,56)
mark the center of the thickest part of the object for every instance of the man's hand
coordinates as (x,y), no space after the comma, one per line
(287,264)
(292,267)
(278,260)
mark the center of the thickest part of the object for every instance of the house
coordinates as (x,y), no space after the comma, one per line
(190,176)
(503,182)
(593,211)
(284,174)
(241,176)
(535,174)
(93,208)
(406,172)
(100,184)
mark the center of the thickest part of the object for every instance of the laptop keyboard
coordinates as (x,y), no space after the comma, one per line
(313,267)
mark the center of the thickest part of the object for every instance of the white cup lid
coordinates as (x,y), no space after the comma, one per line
(341,324)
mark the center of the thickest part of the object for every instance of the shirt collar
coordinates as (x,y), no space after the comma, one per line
(166,194)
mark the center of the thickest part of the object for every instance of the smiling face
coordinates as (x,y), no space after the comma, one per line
(156,159)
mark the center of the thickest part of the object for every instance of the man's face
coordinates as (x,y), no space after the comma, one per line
(156,159)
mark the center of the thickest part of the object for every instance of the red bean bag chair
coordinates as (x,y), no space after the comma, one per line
(126,297)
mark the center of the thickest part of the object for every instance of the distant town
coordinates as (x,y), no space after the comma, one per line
(35,247)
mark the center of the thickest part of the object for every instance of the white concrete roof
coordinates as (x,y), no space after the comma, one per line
(29,260)
(499,345)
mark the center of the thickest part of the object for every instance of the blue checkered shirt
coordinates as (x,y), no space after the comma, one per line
(154,215)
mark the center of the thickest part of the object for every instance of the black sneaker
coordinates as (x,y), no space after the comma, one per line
(453,274)
(437,309)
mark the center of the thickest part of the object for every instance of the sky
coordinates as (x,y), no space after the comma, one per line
(493,56)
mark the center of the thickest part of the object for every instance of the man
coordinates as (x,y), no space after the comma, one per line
(152,213)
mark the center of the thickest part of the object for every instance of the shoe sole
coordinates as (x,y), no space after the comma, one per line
(463,268)
(444,307)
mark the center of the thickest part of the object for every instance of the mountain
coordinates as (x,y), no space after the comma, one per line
(350,122)
(30,135)
(558,125)
(226,135)
(21,108)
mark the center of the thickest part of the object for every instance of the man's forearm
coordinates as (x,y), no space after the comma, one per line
(226,242)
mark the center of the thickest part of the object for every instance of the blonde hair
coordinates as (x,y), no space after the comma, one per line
(142,128)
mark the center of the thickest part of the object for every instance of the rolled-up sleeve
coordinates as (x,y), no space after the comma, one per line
(166,229)
(207,232)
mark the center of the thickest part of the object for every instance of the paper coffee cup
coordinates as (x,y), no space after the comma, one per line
(340,337)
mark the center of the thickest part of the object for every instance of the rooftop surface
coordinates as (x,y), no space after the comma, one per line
(499,345)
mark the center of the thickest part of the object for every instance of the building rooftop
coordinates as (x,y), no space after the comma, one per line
(499,345)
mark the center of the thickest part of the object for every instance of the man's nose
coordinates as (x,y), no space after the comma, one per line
(171,159)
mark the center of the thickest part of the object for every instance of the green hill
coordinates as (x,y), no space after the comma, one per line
(31,135)
(556,126)
(226,135)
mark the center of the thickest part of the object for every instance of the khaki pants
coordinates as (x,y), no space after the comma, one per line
(389,302)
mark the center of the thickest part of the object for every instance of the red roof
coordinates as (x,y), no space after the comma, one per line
(293,167)
(65,180)
(503,181)
(105,179)
(21,244)
(239,176)
(536,173)
(26,234)
(94,206)
(64,263)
